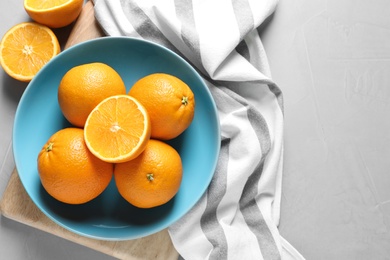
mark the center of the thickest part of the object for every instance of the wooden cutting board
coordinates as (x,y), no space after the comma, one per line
(17,205)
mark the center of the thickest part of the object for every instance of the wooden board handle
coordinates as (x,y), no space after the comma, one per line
(86,27)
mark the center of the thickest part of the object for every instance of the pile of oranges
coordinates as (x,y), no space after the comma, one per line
(113,133)
(118,134)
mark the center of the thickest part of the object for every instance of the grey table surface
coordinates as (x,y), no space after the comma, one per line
(331,58)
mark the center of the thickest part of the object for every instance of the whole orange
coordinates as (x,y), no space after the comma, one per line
(83,87)
(151,179)
(68,171)
(169,101)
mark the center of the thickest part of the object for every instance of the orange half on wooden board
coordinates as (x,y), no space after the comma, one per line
(26,48)
(54,13)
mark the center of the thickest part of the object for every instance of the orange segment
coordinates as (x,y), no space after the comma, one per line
(26,48)
(118,129)
(53,13)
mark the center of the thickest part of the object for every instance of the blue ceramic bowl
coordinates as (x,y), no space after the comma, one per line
(110,217)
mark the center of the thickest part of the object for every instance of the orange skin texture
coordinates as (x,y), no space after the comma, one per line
(68,171)
(162,95)
(153,178)
(83,87)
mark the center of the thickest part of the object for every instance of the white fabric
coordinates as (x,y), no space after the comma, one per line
(238,216)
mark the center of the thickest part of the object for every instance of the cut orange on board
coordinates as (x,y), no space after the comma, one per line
(26,48)
(54,13)
(117,129)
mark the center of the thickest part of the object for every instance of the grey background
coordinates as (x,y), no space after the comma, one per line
(331,58)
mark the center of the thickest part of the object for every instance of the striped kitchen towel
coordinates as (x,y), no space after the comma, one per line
(238,216)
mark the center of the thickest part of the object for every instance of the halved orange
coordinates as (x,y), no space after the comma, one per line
(26,48)
(53,13)
(117,129)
